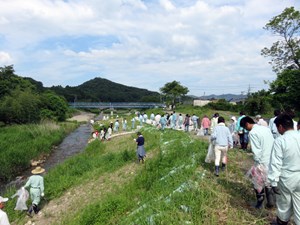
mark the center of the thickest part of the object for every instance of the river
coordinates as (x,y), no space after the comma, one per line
(72,144)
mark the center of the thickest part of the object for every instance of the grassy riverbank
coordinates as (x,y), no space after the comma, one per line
(21,143)
(105,185)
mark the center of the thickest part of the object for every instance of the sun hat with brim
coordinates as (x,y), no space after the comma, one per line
(3,199)
(38,170)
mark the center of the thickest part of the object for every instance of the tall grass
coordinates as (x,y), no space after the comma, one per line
(21,143)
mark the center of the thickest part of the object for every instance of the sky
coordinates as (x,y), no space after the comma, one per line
(209,46)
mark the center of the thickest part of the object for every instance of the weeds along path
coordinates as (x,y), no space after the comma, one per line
(78,197)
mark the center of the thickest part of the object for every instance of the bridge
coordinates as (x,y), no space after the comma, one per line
(117,105)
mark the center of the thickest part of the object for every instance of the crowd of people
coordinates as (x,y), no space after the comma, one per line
(275,145)
(276,154)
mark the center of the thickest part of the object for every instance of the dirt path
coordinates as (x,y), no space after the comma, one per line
(82,117)
(76,198)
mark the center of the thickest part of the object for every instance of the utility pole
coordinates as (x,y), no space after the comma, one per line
(249,90)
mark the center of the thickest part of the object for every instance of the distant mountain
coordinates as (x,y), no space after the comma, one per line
(227,97)
(99,89)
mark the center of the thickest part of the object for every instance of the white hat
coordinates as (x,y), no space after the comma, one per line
(3,199)
(233,118)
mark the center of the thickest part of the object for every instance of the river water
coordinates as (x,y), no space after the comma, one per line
(74,143)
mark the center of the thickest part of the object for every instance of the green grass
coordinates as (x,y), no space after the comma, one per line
(174,186)
(21,143)
(171,189)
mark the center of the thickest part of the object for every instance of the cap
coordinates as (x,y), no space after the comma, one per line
(3,199)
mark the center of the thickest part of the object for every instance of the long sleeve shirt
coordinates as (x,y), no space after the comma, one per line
(261,140)
(35,181)
(222,136)
(3,218)
(284,163)
(273,127)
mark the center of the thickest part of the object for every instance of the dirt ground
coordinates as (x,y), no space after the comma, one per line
(82,117)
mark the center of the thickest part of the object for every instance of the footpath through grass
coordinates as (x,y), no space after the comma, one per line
(174,186)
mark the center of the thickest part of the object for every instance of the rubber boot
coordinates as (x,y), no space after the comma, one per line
(260,199)
(270,196)
(29,212)
(245,146)
(35,208)
(223,167)
(279,222)
(217,171)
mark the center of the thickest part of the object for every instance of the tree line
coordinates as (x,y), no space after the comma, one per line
(22,100)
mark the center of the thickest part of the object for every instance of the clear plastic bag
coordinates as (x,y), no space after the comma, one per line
(258,175)
(23,196)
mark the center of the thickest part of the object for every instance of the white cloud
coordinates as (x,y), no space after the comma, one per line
(141,43)
(5,58)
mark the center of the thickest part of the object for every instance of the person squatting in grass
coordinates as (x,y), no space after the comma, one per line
(284,170)
(261,141)
(140,151)
(36,184)
(222,138)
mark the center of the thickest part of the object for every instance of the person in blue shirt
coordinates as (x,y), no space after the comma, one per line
(243,133)
(222,139)
(140,151)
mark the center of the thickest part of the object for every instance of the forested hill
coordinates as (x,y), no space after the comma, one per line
(99,89)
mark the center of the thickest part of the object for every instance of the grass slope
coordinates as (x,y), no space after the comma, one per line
(105,185)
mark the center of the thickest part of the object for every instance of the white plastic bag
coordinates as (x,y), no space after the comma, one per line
(210,157)
(200,132)
(23,196)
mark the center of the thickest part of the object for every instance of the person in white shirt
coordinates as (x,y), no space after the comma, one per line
(284,170)
(272,126)
(261,140)
(260,121)
(3,216)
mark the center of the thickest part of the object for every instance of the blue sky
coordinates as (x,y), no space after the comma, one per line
(209,46)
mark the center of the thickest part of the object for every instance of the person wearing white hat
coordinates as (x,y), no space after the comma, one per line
(3,215)
(36,184)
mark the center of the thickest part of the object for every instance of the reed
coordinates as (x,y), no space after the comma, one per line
(21,143)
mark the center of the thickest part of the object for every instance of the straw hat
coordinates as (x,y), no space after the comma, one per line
(38,170)
(3,199)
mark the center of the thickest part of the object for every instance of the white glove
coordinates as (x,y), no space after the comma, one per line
(43,194)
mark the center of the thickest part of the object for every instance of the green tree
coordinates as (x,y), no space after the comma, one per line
(54,106)
(20,107)
(10,82)
(285,53)
(173,90)
(258,103)
(285,90)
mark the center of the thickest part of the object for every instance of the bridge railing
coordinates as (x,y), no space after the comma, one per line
(103,105)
